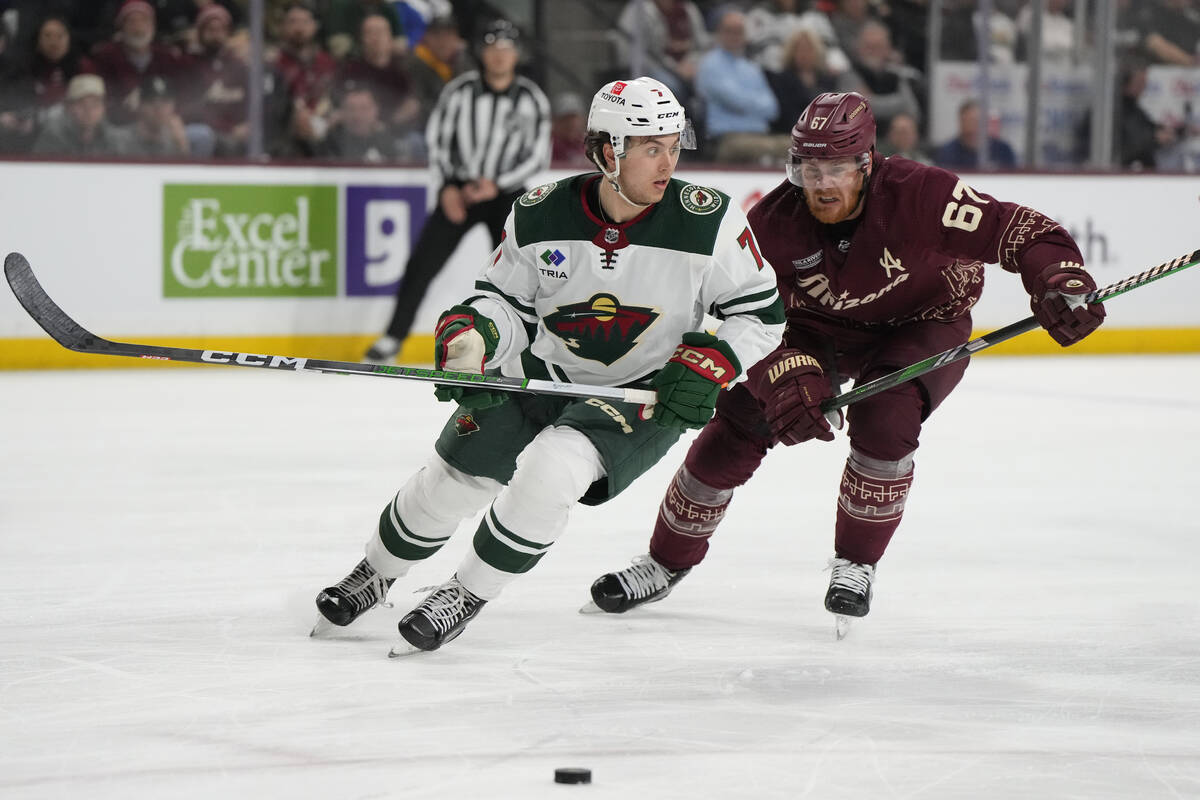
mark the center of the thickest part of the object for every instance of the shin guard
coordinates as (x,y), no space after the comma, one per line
(687,518)
(870,505)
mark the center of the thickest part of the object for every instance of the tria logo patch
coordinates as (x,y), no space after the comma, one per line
(553,258)
(465,424)
(600,329)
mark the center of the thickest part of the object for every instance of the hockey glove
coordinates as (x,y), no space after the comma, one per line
(462,342)
(791,387)
(1058,300)
(687,386)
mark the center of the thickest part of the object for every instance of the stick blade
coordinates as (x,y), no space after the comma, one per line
(45,312)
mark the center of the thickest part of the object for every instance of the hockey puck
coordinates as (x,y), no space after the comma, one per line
(572,775)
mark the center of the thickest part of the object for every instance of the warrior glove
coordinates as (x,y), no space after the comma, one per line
(462,342)
(791,387)
(687,386)
(1058,298)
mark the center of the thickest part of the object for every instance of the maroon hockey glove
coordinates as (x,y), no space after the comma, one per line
(462,342)
(1058,300)
(687,386)
(791,387)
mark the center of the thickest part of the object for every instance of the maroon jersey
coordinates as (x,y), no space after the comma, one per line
(917,252)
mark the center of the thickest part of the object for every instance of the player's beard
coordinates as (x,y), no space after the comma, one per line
(848,201)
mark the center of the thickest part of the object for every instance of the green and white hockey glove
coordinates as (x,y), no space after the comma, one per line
(687,386)
(463,342)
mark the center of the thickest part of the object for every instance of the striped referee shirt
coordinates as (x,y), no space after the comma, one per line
(475,132)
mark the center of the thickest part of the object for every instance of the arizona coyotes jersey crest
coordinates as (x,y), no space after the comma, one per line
(589,301)
(917,252)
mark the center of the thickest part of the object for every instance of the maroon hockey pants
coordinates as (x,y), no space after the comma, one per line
(884,428)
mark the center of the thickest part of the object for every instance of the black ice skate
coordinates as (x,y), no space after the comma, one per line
(439,618)
(645,581)
(354,595)
(850,589)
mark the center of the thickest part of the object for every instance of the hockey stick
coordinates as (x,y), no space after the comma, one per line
(73,336)
(1003,334)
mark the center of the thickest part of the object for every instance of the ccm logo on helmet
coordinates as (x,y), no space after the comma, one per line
(618,87)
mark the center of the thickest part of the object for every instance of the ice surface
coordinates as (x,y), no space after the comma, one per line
(1035,634)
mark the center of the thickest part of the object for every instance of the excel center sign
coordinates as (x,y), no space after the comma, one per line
(282,240)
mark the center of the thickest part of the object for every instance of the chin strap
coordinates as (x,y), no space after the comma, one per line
(612,180)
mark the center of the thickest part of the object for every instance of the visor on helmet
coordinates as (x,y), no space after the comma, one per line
(813,173)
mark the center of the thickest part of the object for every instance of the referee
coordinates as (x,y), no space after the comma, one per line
(488,135)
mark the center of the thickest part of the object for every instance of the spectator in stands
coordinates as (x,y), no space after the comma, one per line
(568,125)
(307,73)
(415,16)
(769,26)
(381,69)
(880,75)
(739,103)
(131,56)
(55,61)
(962,152)
(83,130)
(158,130)
(222,80)
(848,18)
(1172,31)
(439,56)
(805,75)
(359,133)
(1058,32)
(904,139)
(1003,34)
(1138,138)
(343,26)
(673,35)
(177,19)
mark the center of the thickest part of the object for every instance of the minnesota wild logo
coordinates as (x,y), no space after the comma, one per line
(600,329)
(465,424)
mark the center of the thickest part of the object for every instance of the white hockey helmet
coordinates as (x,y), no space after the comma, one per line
(640,107)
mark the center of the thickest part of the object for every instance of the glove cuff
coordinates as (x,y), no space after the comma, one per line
(708,356)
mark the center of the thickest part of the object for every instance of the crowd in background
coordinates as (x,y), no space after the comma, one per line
(355,80)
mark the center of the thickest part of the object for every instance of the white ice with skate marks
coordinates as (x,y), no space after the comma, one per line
(1033,631)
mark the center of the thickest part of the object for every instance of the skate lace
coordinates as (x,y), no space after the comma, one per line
(365,588)
(851,575)
(644,578)
(446,606)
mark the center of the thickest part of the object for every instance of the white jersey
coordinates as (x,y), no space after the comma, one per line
(581,300)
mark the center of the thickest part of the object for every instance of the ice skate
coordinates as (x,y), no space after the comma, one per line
(354,595)
(383,351)
(440,618)
(645,581)
(849,595)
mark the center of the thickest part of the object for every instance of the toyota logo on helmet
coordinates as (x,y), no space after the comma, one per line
(835,125)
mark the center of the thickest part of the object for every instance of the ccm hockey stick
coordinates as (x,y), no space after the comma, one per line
(1003,334)
(73,336)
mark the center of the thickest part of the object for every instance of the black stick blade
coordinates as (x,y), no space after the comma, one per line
(45,312)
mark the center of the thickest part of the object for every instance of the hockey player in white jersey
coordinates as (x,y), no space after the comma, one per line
(600,279)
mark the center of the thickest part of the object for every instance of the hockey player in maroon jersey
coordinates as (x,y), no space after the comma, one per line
(879,261)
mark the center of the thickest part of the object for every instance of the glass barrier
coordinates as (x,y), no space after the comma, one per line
(1057,84)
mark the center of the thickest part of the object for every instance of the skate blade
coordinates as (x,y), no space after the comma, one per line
(403,650)
(841,626)
(591,608)
(322,627)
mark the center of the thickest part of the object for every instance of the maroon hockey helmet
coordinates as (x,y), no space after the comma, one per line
(834,125)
